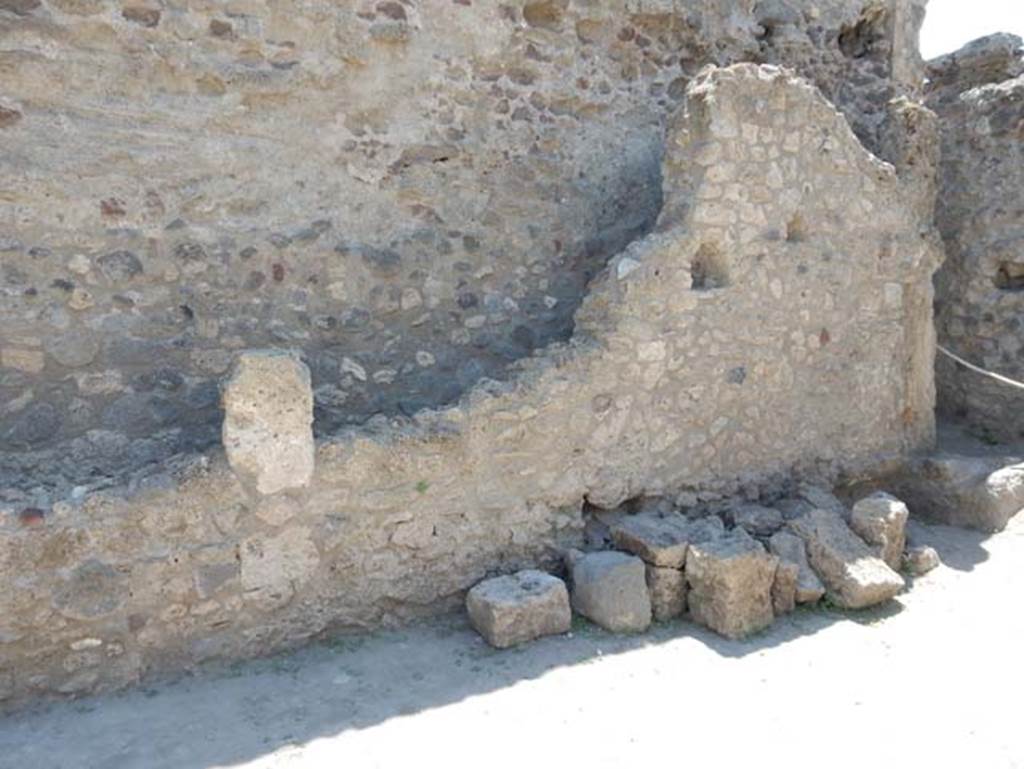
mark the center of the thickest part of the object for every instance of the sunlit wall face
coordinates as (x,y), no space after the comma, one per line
(952,23)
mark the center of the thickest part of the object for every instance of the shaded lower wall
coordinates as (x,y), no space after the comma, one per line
(978,94)
(777,323)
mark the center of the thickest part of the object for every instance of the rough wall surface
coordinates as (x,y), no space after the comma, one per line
(978,94)
(777,322)
(411,194)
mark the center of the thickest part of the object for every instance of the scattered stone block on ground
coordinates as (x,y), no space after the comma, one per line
(920,560)
(268,421)
(658,540)
(667,588)
(730,580)
(880,519)
(790,549)
(610,589)
(854,577)
(784,587)
(520,607)
(981,493)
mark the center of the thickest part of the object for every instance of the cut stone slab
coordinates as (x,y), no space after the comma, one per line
(981,493)
(610,589)
(660,541)
(784,588)
(730,580)
(268,421)
(757,520)
(920,560)
(790,549)
(667,588)
(880,519)
(854,577)
(517,608)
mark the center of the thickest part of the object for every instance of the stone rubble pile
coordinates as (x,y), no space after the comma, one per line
(733,571)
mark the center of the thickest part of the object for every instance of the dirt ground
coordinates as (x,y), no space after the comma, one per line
(932,680)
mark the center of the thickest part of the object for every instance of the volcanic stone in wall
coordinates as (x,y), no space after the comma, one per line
(978,94)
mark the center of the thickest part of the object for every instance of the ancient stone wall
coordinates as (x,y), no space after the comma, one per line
(775,325)
(978,94)
(411,194)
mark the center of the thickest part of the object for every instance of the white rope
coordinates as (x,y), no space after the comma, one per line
(972,367)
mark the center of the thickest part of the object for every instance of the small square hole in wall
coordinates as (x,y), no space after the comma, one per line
(708,268)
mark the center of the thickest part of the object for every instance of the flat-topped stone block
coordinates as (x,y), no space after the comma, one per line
(880,520)
(730,581)
(854,577)
(610,589)
(659,541)
(517,608)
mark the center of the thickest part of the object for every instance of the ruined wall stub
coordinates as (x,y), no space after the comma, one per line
(978,94)
(411,195)
(776,324)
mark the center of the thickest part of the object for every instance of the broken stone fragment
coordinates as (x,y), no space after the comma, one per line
(977,492)
(268,418)
(610,589)
(920,560)
(660,541)
(730,580)
(822,499)
(790,549)
(784,588)
(880,520)
(518,608)
(757,520)
(667,588)
(854,577)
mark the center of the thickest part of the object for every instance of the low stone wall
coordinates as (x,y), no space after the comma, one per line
(978,94)
(777,323)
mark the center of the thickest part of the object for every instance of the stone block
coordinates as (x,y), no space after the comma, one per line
(854,577)
(268,421)
(610,589)
(981,493)
(730,580)
(658,540)
(920,560)
(880,520)
(790,549)
(784,587)
(518,608)
(667,588)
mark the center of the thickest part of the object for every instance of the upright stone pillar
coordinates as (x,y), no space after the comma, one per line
(268,421)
